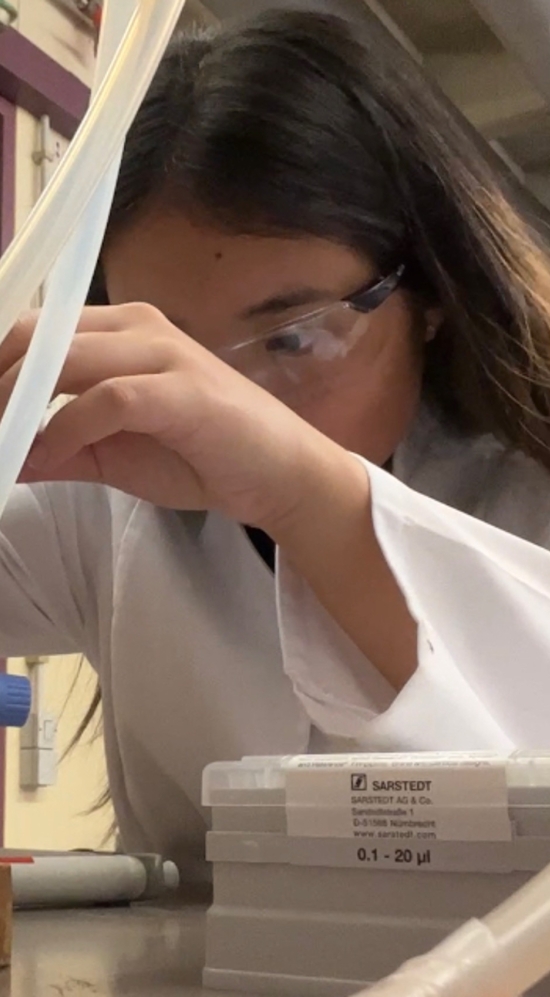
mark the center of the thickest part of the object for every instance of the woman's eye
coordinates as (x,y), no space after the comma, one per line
(289,343)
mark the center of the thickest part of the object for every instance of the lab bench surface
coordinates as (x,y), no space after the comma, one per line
(141,951)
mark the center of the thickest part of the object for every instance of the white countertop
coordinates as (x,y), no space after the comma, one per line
(141,951)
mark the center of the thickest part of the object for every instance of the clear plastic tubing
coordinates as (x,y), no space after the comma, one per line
(73,213)
(502,956)
(521,928)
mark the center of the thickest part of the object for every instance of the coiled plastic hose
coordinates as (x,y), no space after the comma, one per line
(72,213)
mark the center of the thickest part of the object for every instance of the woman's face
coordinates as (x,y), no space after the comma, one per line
(224,290)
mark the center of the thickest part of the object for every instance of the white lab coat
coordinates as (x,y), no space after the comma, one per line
(203,656)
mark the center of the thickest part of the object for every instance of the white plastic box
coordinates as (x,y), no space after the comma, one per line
(331,871)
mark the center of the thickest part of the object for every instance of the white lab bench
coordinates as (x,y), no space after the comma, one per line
(138,951)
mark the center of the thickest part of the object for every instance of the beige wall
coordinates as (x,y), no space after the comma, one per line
(58,31)
(27,174)
(54,817)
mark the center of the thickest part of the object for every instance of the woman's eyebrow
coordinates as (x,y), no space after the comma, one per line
(277,304)
(286,300)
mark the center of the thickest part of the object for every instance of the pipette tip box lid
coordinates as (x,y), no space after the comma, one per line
(330,871)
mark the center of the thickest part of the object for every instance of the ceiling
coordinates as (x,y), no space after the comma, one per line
(472,61)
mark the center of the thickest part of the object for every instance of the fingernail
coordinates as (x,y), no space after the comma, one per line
(38,455)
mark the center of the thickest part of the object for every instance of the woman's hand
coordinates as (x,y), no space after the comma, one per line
(158,416)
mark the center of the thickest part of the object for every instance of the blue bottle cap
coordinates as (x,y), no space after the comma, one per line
(15,700)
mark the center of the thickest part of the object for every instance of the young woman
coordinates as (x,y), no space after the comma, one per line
(332,281)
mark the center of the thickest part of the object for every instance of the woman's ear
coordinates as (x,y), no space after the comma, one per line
(433,320)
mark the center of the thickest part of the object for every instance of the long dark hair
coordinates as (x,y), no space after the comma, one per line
(299,124)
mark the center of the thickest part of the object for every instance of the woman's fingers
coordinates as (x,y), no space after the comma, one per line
(100,319)
(94,358)
(82,443)
(17,341)
(132,463)
(143,404)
